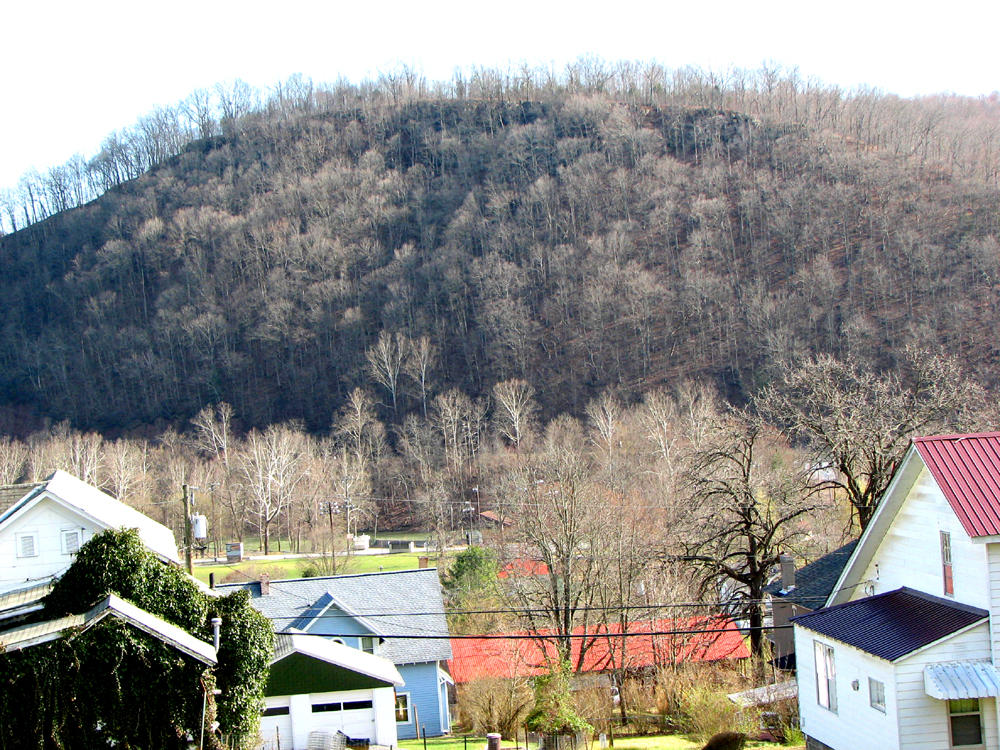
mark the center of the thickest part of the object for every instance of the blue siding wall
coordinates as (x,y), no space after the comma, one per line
(422,685)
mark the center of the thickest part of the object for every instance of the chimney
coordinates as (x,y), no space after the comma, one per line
(265,584)
(787,563)
(422,562)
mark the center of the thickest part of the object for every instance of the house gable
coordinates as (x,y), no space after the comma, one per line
(902,545)
(300,673)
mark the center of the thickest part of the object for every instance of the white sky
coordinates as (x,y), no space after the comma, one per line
(75,71)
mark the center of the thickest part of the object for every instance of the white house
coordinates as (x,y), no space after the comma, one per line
(904,656)
(44,524)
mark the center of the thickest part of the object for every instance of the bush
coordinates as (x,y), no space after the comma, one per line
(708,712)
(494,704)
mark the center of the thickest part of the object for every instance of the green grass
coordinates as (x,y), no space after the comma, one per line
(656,742)
(293,567)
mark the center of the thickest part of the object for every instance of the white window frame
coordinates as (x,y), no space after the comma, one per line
(947,565)
(876,694)
(19,541)
(409,708)
(63,537)
(826,676)
(373,640)
(982,729)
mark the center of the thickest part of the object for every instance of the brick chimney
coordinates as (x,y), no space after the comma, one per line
(787,563)
(265,584)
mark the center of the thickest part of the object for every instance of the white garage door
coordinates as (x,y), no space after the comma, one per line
(276,725)
(351,713)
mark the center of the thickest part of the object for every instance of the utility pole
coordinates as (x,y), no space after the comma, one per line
(187,532)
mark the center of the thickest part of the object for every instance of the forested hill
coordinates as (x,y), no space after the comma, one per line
(579,241)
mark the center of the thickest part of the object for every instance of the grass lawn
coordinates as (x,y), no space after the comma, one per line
(656,742)
(293,567)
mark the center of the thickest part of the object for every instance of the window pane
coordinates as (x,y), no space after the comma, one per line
(402,708)
(964,706)
(965,730)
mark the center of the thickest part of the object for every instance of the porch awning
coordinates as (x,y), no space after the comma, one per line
(955,680)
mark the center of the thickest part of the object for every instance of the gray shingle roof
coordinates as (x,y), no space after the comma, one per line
(11,493)
(396,603)
(814,582)
(893,624)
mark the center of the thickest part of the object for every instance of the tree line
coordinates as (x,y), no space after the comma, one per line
(674,502)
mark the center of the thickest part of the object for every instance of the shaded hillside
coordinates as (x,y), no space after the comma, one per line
(577,242)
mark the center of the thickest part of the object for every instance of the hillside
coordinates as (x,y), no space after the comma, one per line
(578,240)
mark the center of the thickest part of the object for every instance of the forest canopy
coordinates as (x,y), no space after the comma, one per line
(625,227)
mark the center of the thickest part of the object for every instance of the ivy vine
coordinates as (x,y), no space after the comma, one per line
(114,686)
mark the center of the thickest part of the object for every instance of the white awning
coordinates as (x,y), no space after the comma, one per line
(955,680)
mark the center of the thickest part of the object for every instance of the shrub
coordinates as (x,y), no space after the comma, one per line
(708,712)
(494,704)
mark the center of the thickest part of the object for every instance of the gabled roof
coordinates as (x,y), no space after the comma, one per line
(337,654)
(112,606)
(398,603)
(894,624)
(816,581)
(647,643)
(967,469)
(98,506)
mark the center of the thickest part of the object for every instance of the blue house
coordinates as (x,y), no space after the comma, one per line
(397,615)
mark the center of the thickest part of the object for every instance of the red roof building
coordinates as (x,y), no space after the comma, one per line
(646,644)
(523,567)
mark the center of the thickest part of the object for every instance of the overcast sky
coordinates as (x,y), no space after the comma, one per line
(75,71)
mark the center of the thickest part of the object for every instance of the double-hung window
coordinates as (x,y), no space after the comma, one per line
(966,725)
(876,694)
(826,677)
(402,708)
(949,580)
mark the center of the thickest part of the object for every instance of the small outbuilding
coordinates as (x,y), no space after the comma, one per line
(319,686)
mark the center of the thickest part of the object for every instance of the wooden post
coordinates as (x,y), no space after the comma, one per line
(187,532)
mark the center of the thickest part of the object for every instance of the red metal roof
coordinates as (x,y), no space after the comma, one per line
(647,643)
(967,469)
(523,567)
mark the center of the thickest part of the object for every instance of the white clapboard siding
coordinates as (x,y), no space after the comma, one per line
(45,524)
(910,554)
(923,721)
(856,725)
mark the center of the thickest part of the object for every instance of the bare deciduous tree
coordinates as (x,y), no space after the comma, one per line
(859,422)
(747,495)
(516,409)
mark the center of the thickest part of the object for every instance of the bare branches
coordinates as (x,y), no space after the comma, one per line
(859,422)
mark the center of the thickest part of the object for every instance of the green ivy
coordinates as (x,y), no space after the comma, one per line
(116,686)
(554,712)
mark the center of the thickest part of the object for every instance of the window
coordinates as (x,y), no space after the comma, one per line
(368,644)
(357,705)
(876,694)
(949,581)
(70,542)
(402,708)
(826,677)
(319,708)
(276,711)
(27,544)
(966,728)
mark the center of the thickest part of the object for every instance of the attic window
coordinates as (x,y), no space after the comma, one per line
(27,544)
(368,644)
(71,542)
(949,580)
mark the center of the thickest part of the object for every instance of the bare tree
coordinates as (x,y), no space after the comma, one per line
(13,459)
(516,409)
(859,422)
(418,366)
(386,361)
(746,494)
(272,464)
